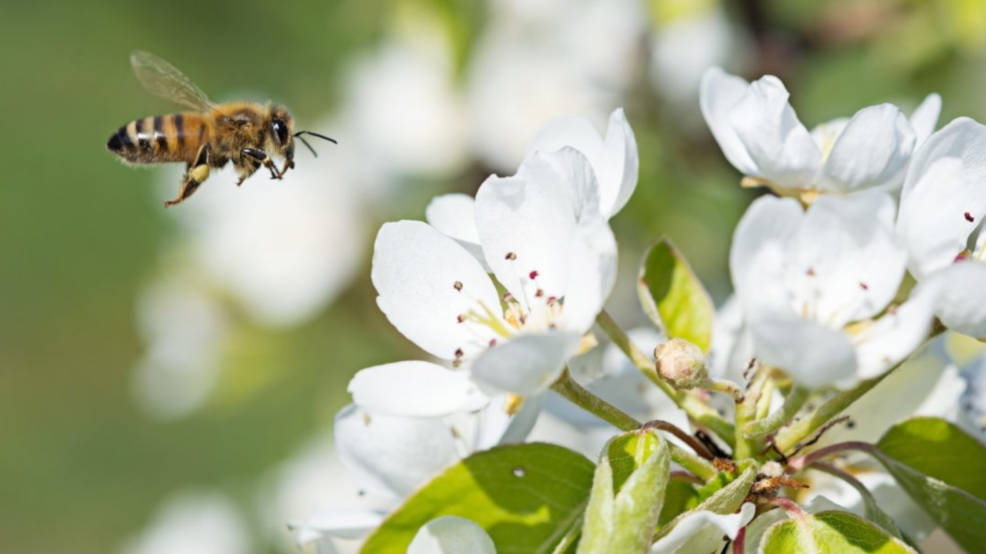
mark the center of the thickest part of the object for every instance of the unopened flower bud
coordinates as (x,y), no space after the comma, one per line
(681,363)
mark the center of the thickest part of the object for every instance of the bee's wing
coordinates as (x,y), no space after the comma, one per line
(163,79)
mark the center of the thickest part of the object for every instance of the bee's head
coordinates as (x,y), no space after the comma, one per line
(281,133)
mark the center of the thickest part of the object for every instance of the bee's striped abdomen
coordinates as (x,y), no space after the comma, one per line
(160,138)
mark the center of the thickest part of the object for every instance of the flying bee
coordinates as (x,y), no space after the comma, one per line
(244,133)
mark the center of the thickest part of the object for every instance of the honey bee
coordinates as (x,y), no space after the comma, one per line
(244,133)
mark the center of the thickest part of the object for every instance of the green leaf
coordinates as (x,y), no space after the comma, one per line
(831,531)
(673,297)
(526,496)
(627,494)
(679,496)
(938,449)
(943,470)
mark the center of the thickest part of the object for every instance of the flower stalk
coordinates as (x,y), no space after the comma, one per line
(583,398)
(696,409)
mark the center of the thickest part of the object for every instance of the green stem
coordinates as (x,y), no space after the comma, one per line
(746,411)
(788,437)
(694,407)
(578,395)
(759,429)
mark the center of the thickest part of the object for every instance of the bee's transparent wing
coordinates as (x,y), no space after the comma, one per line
(163,79)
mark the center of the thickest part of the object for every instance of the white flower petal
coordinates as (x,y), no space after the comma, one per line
(894,336)
(944,195)
(855,263)
(871,151)
(718,95)
(613,159)
(415,389)
(415,271)
(496,426)
(702,531)
(960,297)
(525,364)
(925,117)
(545,223)
(392,453)
(762,232)
(451,535)
(454,215)
(777,142)
(812,354)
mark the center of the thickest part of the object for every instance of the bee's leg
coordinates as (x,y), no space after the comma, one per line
(195,174)
(263,158)
(288,164)
(246,167)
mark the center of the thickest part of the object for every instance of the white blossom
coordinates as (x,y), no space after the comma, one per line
(814,286)
(545,241)
(942,207)
(762,137)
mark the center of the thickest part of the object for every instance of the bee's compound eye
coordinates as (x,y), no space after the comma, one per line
(280,130)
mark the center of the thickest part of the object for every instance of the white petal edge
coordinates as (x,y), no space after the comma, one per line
(812,354)
(525,364)
(451,535)
(702,531)
(545,222)
(415,389)
(454,215)
(776,140)
(395,454)
(718,94)
(416,271)
(871,151)
(944,195)
(925,117)
(960,297)
(614,159)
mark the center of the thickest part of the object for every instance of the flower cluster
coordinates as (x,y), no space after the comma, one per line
(872,245)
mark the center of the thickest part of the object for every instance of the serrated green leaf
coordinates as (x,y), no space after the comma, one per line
(830,532)
(673,297)
(525,496)
(944,471)
(627,494)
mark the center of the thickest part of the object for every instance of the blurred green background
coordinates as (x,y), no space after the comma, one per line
(82,468)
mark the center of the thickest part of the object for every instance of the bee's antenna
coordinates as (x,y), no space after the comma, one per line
(314,134)
(305,142)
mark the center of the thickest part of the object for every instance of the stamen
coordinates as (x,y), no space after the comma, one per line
(533,274)
(492,342)
(810,272)
(457,286)
(864,286)
(511,256)
(459,353)
(539,293)
(968,217)
(460,318)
